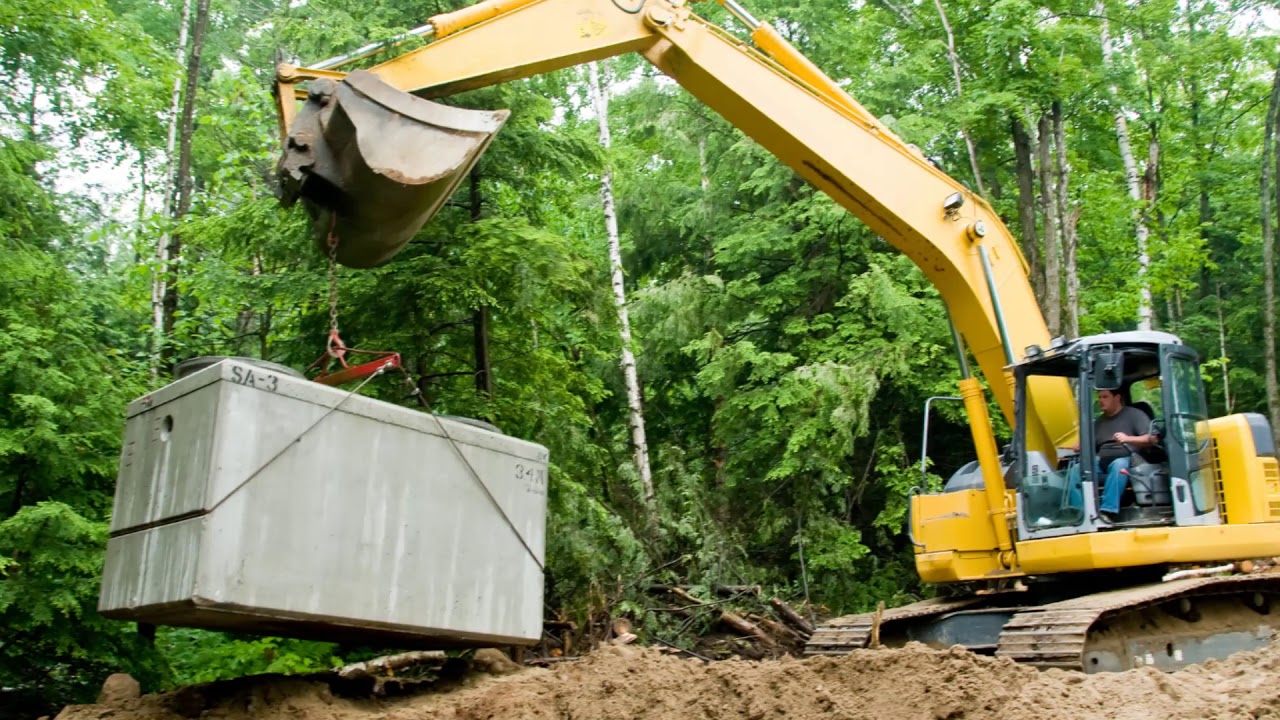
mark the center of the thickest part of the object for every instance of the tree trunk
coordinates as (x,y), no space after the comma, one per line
(955,74)
(185,183)
(33,103)
(19,487)
(480,318)
(1268,260)
(161,267)
(1070,244)
(1070,216)
(264,317)
(142,186)
(484,368)
(640,446)
(1025,169)
(1222,353)
(1141,232)
(703,169)
(1048,206)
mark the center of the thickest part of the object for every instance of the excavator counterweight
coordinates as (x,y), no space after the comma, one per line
(373,164)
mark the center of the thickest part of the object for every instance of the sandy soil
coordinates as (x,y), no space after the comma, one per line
(628,682)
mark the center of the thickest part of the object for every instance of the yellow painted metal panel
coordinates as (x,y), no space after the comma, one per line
(953,521)
(1271,473)
(1148,546)
(1240,474)
(953,566)
(527,40)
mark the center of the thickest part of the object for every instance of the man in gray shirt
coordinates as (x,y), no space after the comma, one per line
(1118,431)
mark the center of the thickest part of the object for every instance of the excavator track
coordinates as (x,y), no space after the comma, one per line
(853,632)
(1163,625)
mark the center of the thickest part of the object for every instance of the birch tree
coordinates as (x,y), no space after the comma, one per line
(1132,181)
(955,75)
(161,268)
(183,180)
(639,444)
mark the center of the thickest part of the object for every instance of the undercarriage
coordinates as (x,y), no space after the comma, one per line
(1164,625)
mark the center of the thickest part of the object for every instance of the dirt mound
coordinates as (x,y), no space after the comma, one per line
(625,682)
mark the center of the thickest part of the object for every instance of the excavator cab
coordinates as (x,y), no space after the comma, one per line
(1167,483)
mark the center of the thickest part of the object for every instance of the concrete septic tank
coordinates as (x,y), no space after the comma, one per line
(255,501)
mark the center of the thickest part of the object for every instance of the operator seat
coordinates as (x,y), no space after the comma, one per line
(1149,480)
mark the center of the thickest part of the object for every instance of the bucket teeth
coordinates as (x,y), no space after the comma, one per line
(373,164)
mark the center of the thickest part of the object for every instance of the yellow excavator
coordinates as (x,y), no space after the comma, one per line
(1028,566)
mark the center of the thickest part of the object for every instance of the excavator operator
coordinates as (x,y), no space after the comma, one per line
(1119,430)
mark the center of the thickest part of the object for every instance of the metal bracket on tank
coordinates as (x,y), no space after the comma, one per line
(338,350)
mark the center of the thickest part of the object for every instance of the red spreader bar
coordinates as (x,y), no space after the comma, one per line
(337,350)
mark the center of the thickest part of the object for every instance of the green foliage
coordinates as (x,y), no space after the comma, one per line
(65,379)
(785,350)
(56,648)
(199,656)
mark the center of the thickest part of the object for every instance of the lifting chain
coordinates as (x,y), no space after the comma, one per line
(333,281)
(335,348)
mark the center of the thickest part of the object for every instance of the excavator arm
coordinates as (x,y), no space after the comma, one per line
(780,99)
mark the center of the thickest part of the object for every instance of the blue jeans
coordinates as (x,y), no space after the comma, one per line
(1112,487)
(1115,484)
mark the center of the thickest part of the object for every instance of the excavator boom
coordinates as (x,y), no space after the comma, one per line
(772,93)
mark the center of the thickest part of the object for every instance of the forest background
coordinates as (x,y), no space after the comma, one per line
(783,352)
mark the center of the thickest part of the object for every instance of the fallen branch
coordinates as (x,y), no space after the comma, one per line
(388,664)
(732,620)
(544,661)
(683,595)
(724,590)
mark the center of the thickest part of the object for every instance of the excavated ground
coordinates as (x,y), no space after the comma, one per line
(627,682)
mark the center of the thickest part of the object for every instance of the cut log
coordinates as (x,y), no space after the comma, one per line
(778,630)
(791,617)
(746,627)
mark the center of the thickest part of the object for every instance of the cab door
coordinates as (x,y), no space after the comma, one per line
(1186,438)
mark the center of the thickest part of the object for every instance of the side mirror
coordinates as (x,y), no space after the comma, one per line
(1108,371)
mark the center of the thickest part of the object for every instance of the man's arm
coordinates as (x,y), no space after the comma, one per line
(1135,440)
(1139,435)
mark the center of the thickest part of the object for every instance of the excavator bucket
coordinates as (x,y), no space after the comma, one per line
(373,164)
